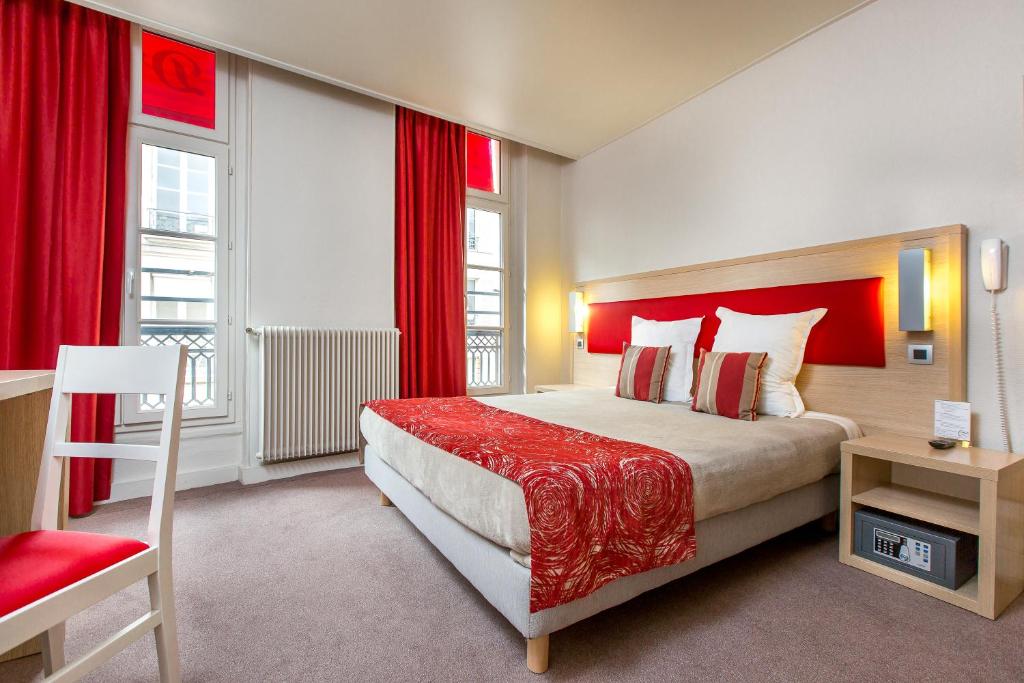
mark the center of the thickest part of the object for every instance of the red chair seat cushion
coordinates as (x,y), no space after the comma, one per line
(35,564)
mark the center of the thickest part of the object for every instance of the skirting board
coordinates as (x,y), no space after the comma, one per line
(255,474)
(143,486)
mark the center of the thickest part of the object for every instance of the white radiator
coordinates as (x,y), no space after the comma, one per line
(312,382)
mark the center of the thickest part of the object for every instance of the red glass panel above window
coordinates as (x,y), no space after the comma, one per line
(179,81)
(482,155)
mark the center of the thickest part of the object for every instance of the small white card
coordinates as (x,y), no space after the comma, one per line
(953,420)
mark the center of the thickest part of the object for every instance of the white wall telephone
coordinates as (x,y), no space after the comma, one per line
(993,265)
(993,274)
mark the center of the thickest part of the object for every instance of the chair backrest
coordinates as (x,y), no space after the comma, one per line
(114,370)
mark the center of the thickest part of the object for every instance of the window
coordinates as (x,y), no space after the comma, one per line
(177,261)
(486,267)
(177,242)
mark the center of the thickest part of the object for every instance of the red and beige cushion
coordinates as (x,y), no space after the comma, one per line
(35,564)
(783,337)
(728,384)
(681,335)
(642,372)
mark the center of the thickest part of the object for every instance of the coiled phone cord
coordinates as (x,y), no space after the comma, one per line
(1000,381)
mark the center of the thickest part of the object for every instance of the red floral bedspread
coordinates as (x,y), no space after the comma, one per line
(599,508)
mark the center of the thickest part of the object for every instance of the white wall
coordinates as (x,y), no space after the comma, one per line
(321,233)
(906,114)
(546,337)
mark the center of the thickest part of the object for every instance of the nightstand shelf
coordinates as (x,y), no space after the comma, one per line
(973,490)
(927,506)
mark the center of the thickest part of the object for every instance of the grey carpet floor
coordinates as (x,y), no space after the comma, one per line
(310,579)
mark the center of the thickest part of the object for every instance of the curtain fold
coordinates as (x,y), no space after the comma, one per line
(430,213)
(64,95)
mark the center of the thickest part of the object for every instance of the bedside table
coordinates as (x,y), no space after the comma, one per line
(973,490)
(544,388)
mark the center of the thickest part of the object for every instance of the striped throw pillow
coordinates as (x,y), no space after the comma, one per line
(728,384)
(642,372)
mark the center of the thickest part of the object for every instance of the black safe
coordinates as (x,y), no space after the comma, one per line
(933,553)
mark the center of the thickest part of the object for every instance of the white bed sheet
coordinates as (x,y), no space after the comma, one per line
(734,463)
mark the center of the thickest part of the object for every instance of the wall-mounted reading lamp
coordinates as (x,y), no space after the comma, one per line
(577,316)
(916,290)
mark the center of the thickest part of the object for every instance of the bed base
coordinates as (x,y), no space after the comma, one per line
(506,584)
(829,523)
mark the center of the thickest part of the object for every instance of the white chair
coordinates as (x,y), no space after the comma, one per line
(47,575)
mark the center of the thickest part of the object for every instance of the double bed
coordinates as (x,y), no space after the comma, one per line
(747,481)
(751,482)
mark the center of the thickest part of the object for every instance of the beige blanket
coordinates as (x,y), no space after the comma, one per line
(734,463)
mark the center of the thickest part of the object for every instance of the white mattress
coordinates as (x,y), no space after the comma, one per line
(734,463)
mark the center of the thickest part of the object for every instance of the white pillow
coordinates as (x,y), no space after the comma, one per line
(783,338)
(681,335)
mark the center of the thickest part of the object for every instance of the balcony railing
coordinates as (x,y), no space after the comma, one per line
(483,359)
(180,221)
(200,369)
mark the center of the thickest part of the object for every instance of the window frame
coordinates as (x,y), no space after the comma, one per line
(503,329)
(221,112)
(131,319)
(496,202)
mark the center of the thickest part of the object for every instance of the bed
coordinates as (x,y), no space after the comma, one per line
(751,481)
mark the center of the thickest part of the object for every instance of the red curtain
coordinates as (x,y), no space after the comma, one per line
(64,88)
(430,213)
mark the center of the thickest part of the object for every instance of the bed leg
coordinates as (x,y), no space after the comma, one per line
(385,501)
(829,523)
(537,654)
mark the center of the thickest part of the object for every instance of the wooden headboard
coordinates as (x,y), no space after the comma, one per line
(897,398)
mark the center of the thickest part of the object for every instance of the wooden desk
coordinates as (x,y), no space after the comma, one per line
(24,407)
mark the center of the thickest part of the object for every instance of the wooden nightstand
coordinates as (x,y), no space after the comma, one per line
(543,388)
(973,490)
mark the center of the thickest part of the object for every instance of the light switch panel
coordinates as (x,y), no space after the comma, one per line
(919,354)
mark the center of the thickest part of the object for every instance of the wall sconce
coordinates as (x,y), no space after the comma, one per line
(915,290)
(577,312)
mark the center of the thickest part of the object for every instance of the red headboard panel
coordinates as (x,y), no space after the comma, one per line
(851,333)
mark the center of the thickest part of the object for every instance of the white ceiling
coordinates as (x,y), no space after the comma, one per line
(568,76)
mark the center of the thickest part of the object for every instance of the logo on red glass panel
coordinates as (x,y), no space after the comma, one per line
(177,71)
(179,81)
